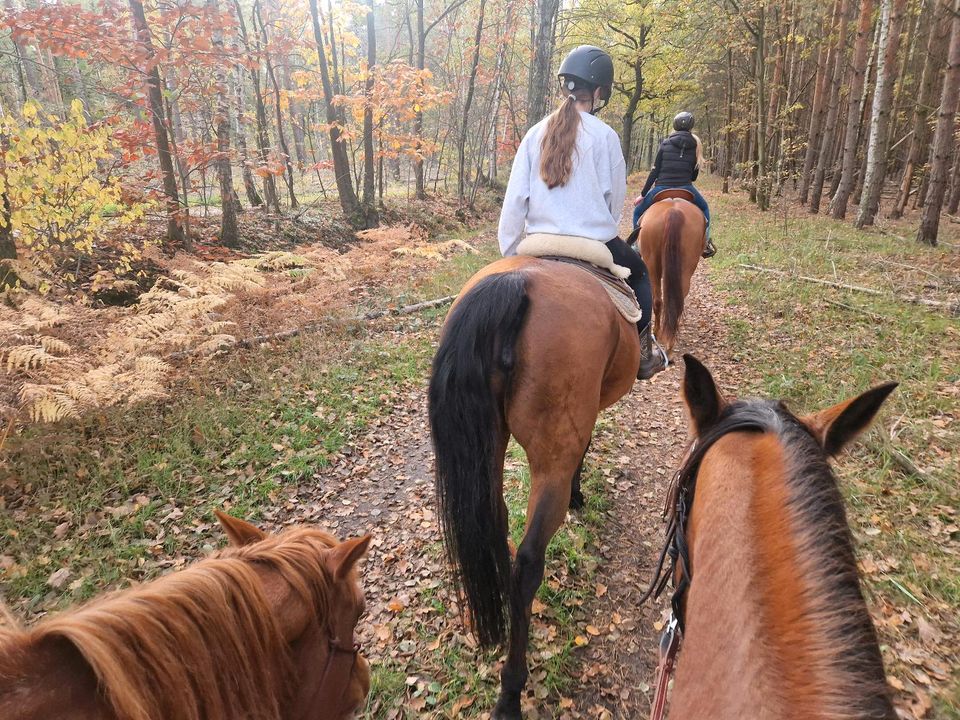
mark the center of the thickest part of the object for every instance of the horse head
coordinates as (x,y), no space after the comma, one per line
(318,620)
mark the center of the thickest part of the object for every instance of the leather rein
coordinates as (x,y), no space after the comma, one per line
(676,511)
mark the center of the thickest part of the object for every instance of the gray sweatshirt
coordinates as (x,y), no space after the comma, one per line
(589,205)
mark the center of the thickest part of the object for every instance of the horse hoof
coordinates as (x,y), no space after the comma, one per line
(576,500)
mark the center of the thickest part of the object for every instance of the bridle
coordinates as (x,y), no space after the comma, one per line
(337,671)
(676,511)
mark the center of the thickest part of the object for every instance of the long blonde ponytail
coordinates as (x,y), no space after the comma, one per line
(699,151)
(560,141)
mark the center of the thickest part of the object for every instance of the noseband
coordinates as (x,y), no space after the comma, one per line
(738,417)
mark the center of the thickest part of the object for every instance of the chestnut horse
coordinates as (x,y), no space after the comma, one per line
(534,349)
(672,237)
(772,617)
(262,630)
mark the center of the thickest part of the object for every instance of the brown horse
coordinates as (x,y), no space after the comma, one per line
(672,237)
(262,630)
(535,349)
(775,621)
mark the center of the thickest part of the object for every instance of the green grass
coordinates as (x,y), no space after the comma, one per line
(815,345)
(241,444)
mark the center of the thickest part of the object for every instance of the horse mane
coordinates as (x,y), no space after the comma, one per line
(201,644)
(845,678)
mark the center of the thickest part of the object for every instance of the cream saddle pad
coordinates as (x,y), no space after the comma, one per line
(594,257)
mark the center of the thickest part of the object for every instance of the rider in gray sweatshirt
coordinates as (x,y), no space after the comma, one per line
(569,178)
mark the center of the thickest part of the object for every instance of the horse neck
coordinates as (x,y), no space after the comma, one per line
(47,679)
(776,626)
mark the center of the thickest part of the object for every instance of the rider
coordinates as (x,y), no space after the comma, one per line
(677,165)
(569,178)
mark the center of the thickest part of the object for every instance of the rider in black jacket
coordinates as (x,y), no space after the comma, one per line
(677,166)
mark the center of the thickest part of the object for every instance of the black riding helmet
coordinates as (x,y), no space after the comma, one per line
(683,121)
(588,67)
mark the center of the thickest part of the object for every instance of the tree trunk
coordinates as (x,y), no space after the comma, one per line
(158,117)
(728,141)
(420,190)
(825,157)
(916,154)
(954,203)
(271,197)
(818,109)
(538,93)
(633,99)
(943,140)
(249,186)
(880,116)
(467,103)
(338,149)
(27,82)
(369,199)
(228,200)
(278,114)
(763,182)
(296,116)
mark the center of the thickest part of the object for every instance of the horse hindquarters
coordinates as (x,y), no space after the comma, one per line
(471,372)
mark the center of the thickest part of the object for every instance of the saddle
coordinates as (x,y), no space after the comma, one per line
(668,194)
(592,257)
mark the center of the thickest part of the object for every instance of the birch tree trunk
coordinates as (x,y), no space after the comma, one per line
(892,20)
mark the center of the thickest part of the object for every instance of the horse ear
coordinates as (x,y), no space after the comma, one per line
(238,531)
(345,555)
(703,400)
(836,426)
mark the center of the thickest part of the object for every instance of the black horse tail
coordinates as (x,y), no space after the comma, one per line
(471,377)
(672,263)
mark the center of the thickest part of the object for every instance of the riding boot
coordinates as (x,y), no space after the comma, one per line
(710,250)
(653,358)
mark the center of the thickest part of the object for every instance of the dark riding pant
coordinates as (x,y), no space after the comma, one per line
(639,279)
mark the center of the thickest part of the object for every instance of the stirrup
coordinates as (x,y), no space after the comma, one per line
(709,251)
(656,347)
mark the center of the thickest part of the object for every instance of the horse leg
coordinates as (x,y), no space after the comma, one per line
(546,509)
(576,496)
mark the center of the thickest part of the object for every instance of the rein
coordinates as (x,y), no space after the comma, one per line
(676,511)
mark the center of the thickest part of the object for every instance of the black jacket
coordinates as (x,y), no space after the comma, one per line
(676,162)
